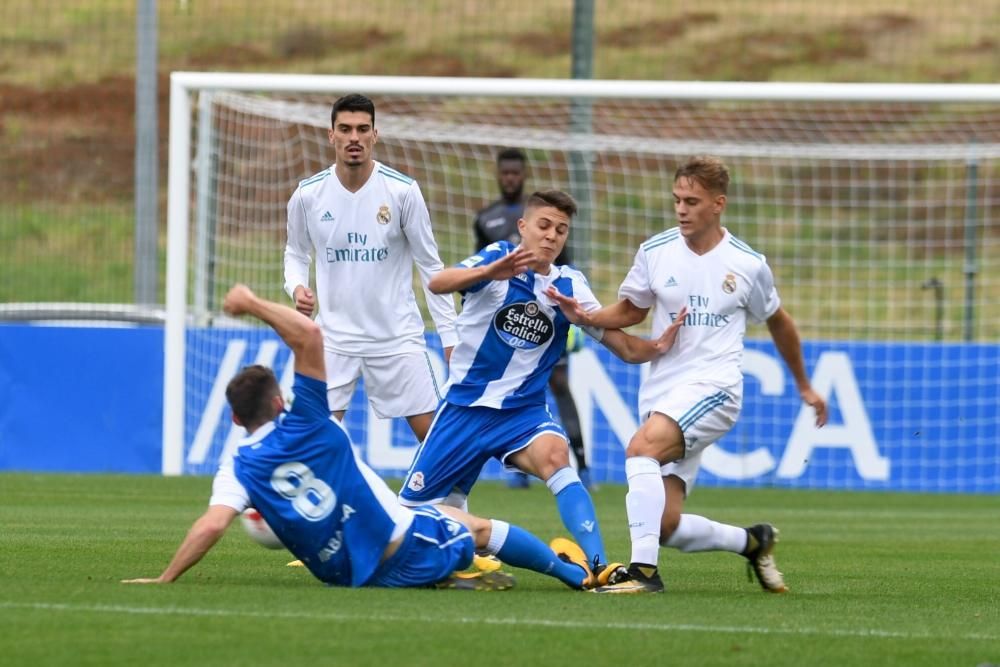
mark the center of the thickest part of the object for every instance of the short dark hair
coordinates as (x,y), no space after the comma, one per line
(707,170)
(249,394)
(352,102)
(557,199)
(512,154)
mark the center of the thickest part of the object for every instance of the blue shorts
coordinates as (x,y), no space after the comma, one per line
(460,442)
(435,546)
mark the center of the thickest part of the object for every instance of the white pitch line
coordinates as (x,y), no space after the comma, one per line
(529,622)
(976,514)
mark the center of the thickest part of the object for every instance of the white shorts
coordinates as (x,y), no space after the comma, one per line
(398,385)
(705,412)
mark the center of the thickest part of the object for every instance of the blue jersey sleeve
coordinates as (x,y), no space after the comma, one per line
(310,402)
(487,255)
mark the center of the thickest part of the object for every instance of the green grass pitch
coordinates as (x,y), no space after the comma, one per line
(876,579)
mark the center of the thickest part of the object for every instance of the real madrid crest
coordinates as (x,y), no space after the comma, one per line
(729,284)
(383,216)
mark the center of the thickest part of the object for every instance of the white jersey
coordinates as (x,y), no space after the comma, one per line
(365,244)
(720,289)
(226,489)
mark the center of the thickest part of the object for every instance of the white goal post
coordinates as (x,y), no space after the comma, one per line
(877,206)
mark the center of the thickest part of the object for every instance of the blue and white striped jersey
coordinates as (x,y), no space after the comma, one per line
(510,334)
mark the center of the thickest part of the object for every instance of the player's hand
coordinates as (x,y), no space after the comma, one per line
(570,307)
(305,300)
(447,354)
(508,266)
(669,335)
(238,299)
(156,580)
(817,403)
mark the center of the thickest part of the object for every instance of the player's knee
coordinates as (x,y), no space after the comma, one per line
(543,457)
(643,445)
(555,458)
(663,442)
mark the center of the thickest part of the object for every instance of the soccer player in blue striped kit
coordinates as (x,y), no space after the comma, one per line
(510,335)
(326,506)
(498,222)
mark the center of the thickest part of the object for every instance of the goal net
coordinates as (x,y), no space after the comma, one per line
(877,207)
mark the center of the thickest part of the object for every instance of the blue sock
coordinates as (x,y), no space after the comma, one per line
(577,512)
(516,546)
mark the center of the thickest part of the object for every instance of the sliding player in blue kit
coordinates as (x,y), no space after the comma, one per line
(329,508)
(510,335)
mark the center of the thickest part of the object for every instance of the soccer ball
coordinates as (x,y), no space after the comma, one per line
(258,530)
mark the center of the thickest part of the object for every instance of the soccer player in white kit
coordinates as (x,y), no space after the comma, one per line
(693,394)
(367,224)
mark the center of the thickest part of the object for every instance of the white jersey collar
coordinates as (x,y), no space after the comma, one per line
(371,178)
(722,241)
(258,435)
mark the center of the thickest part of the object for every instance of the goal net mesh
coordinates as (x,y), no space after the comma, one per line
(880,221)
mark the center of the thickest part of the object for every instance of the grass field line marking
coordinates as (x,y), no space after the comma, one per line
(870,633)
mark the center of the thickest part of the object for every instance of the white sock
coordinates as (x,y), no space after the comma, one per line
(498,535)
(644,505)
(696,533)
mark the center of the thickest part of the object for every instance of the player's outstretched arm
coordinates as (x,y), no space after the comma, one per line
(786,338)
(204,534)
(298,331)
(457,278)
(635,350)
(616,316)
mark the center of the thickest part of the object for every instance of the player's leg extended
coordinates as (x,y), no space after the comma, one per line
(547,457)
(515,546)
(692,533)
(431,553)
